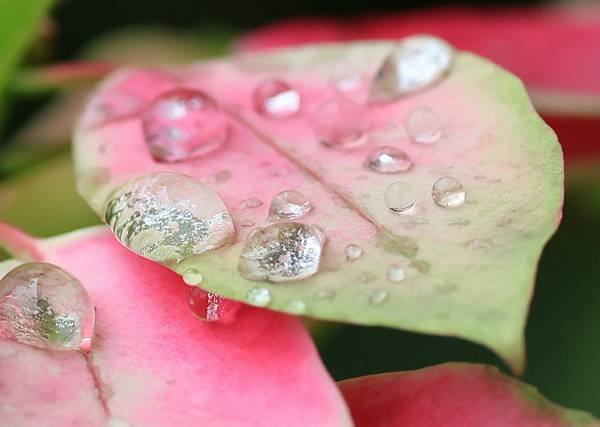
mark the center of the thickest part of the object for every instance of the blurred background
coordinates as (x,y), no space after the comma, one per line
(554,47)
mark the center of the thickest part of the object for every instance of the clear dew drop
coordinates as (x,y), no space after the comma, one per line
(388,160)
(353,252)
(324,294)
(448,192)
(259,297)
(423,126)
(167,217)
(399,196)
(44,306)
(415,63)
(395,273)
(251,203)
(281,252)
(296,306)
(192,277)
(210,307)
(289,204)
(340,123)
(276,99)
(378,297)
(182,124)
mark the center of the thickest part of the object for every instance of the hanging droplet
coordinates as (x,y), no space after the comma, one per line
(399,196)
(281,252)
(448,192)
(388,160)
(211,307)
(296,306)
(423,126)
(44,306)
(378,297)
(353,252)
(168,217)
(192,277)
(340,123)
(251,203)
(415,63)
(395,273)
(276,99)
(182,124)
(259,297)
(289,204)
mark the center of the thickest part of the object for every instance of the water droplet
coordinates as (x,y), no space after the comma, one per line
(340,123)
(324,294)
(289,204)
(395,273)
(366,277)
(388,160)
(259,297)
(479,244)
(251,203)
(166,217)
(352,252)
(247,223)
(423,126)
(192,277)
(44,306)
(448,192)
(296,306)
(378,297)
(346,82)
(281,252)
(415,63)
(208,306)
(276,99)
(399,196)
(182,124)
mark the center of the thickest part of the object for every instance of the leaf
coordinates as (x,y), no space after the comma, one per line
(506,157)
(453,394)
(153,363)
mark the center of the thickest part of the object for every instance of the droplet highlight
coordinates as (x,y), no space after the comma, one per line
(399,196)
(340,123)
(167,217)
(448,192)
(289,204)
(274,98)
(183,124)
(44,306)
(259,297)
(281,252)
(423,126)
(395,273)
(353,252)
(388,160)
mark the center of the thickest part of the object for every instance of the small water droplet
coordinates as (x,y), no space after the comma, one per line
(479,244)
(296,306)
(259,297)
(378,297)
(276,99)
(211,307)
(340,123)
(182,124)
(44,306)
(415,63)
(192,277)
(423,126)
(251,203)
(281,252)
(324,294)
(346,82)
(395,273)
(353,252)
(166,217)
(289,204)
(366,277)
(247,223)
(448,192)
(388,160)
(399,196)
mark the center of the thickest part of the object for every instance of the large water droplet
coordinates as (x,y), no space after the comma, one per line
(211,307)
(168,217)
(276,99)
(182,124)
(395,273)
(340,123)
(423,126)
(259,297)
(289,204)
(415,63)
(448,192)
(378,297)
(353,252)
(281,252)
(399,196)
(388,160)
(44,306)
